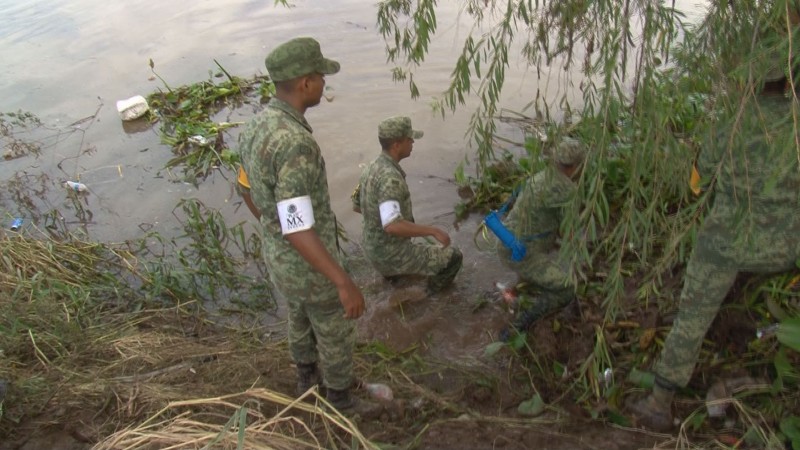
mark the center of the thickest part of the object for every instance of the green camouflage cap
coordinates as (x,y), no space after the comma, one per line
(570,152)
(298,57)
(398,127)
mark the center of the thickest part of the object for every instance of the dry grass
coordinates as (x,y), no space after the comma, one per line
(297,425)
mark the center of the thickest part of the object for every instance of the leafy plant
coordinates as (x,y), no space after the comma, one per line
(186,119)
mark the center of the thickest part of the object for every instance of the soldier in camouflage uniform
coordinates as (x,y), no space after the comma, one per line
(289,186)
(753,226)
(535,220)
(383,198)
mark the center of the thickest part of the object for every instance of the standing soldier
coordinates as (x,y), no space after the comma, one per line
(289,186)
(535,220)
(383,198)
(753,225)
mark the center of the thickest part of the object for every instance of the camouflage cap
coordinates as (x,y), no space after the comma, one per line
(398,127)
(298,57)
(570,152)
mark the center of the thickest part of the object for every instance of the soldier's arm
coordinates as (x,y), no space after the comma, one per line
(299,171)
(404,228)
(392,219)
(310,247)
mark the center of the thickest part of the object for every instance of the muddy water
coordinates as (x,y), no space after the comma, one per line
(68,62)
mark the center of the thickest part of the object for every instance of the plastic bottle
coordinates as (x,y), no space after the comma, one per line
(768,330)
(75,186)
(380,391)
(508,294)
(16,224)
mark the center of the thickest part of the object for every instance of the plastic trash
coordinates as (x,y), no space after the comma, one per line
(132,108)
(768,330)
(721,394)
(508,294)
(75,186)
(380,391)
(16,224)
(608,377)
(198,140)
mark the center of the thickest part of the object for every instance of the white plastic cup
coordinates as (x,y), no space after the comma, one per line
(132,108)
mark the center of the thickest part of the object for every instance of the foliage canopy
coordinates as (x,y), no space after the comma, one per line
(650,87)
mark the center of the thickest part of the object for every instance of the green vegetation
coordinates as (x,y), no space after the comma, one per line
(652,87)
(186,114)
(11,124)
(106,317)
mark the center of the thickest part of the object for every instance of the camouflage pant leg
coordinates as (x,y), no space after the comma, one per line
(421,259)
(545,272)
(705,286)
(444,277)
(302,341)
(335,338)
(550,277)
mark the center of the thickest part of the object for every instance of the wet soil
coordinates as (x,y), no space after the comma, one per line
(453,397)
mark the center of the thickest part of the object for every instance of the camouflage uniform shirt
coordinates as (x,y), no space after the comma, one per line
(283,161)
(381,181)
(756,212)
(539,209)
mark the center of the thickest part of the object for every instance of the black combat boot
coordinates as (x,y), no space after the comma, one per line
(539,307)
(444,278)
(653,411)
(350,405)
(307,377)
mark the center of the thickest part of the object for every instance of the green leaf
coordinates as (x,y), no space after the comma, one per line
(518,341)
(641,379)
(775,309)
(493,348)
(784,370)
(790,426)
(618,419)
(533,407)
(558,369)
(789,333)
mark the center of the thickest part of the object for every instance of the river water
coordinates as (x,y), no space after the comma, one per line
(68,62)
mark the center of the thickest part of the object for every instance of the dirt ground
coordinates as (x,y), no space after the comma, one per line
(443,399)
(443,406)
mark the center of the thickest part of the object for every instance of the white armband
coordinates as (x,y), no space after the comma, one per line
(390,210)
(296,214)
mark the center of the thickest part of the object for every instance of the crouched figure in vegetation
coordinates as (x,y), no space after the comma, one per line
(750,163)
(535,220)
(383,199)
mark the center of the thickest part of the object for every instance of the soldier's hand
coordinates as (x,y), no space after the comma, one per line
(442,237)
(352,300)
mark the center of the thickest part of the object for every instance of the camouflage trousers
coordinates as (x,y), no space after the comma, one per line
(707,281)
(439,264)
(544,273)
(319,332)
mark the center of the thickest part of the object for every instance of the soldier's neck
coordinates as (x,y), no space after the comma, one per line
(295,101)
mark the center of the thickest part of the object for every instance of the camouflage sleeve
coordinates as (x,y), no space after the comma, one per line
(297,170)
(710,155)
(391,187)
